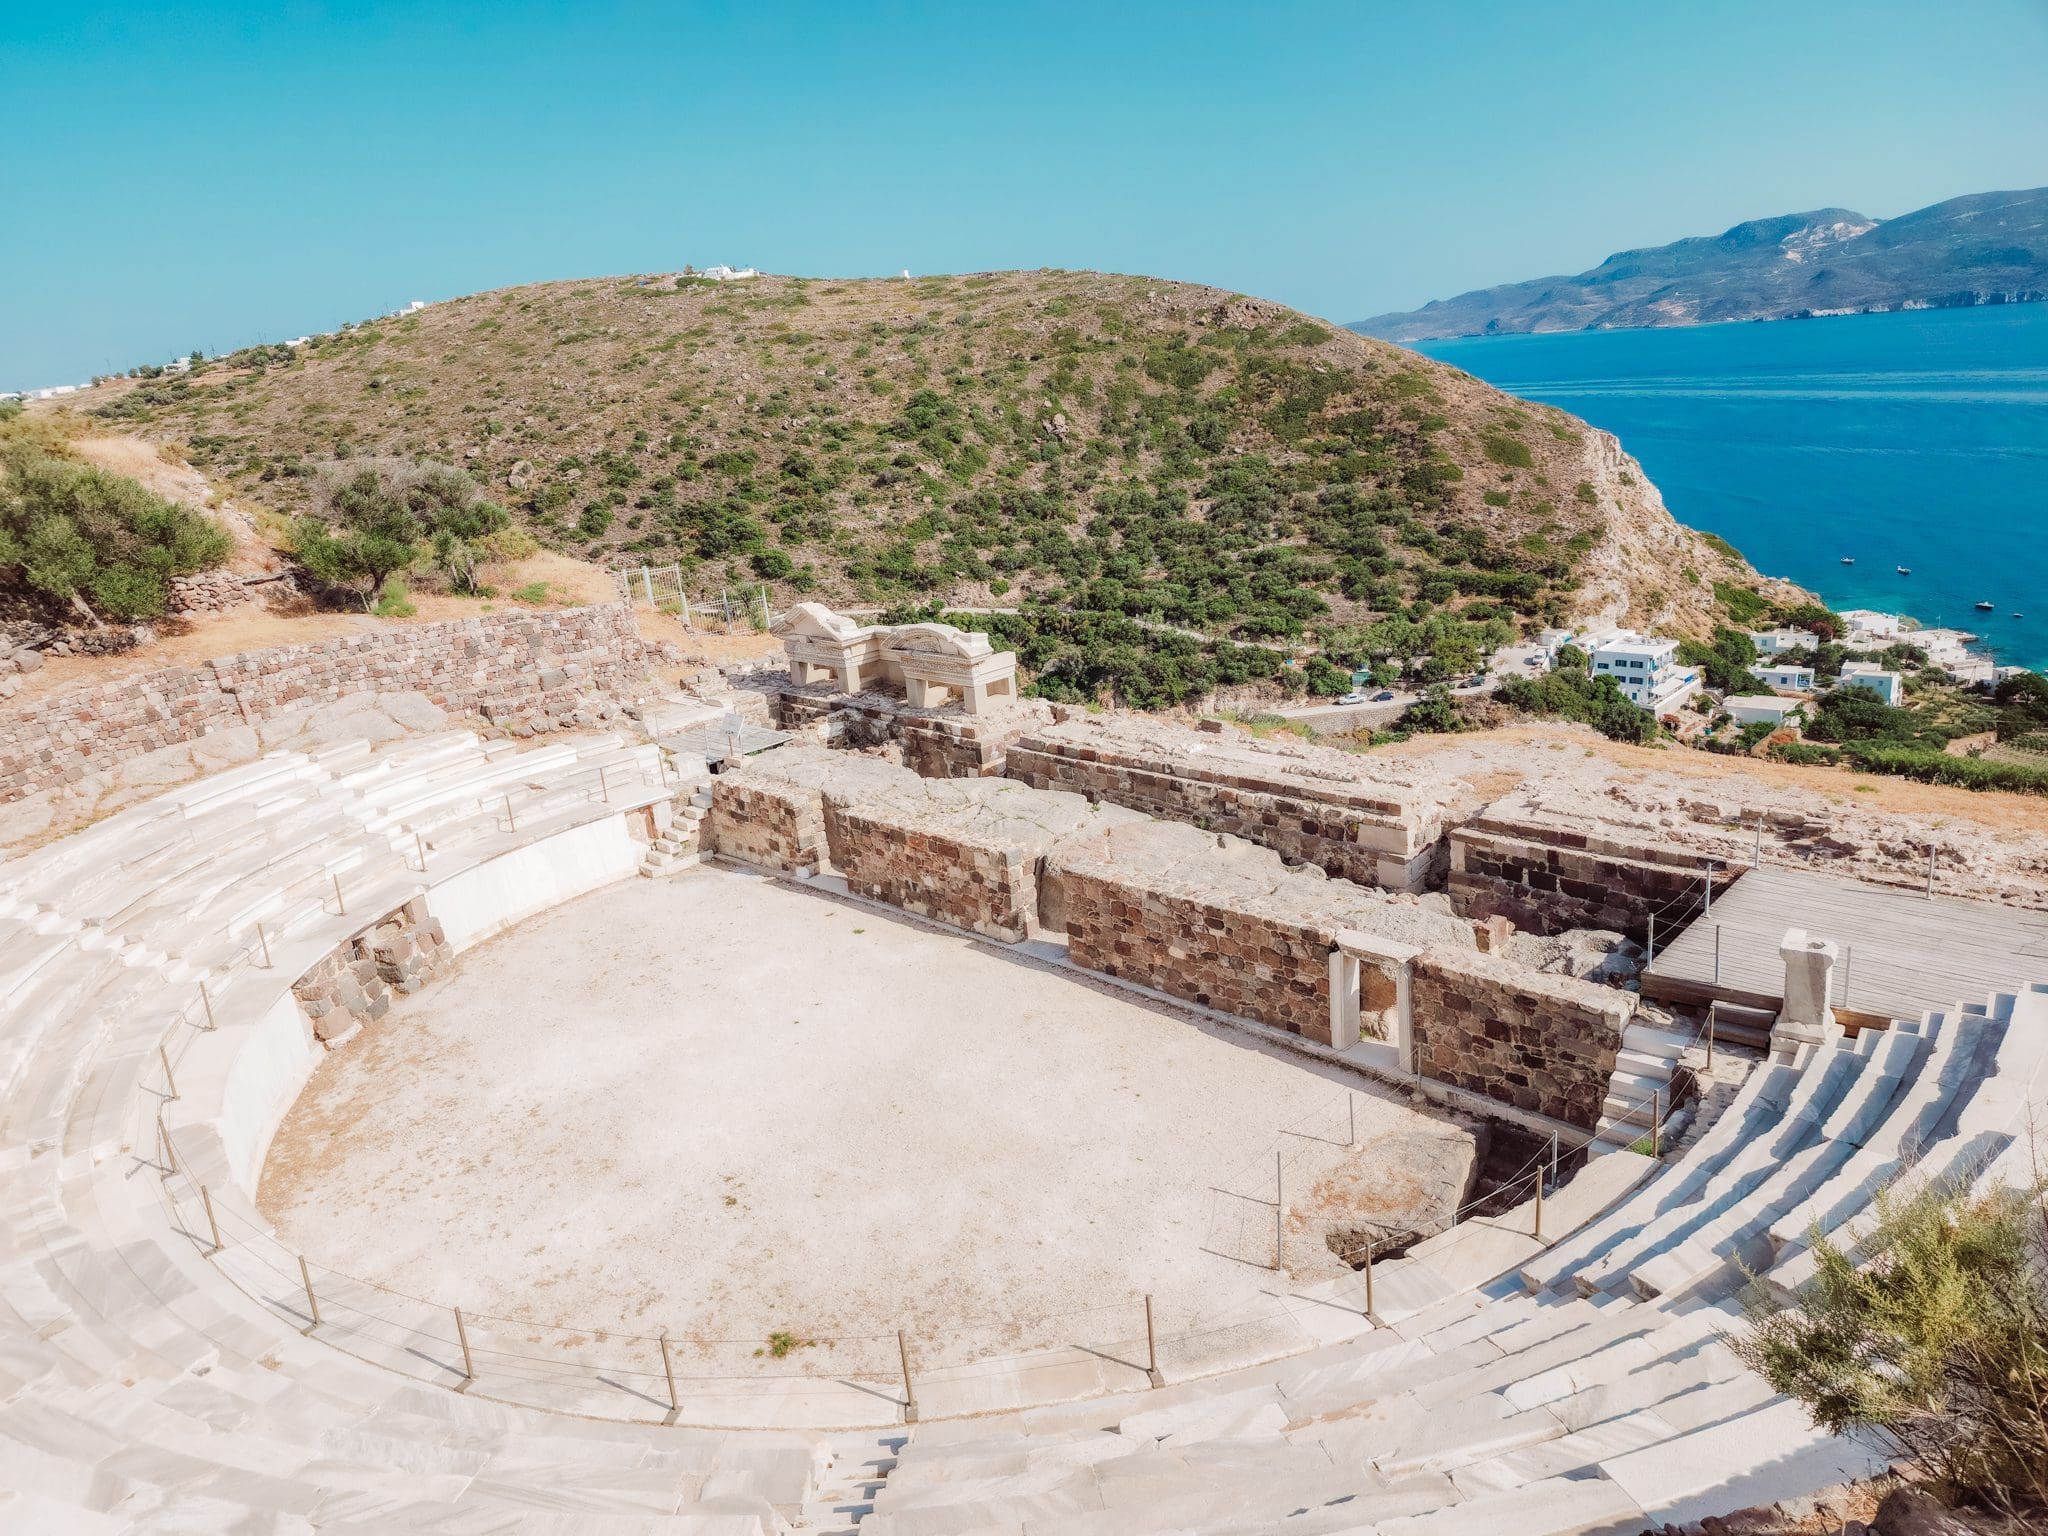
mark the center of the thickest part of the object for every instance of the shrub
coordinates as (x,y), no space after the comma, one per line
(1743,605)
(1573,695)
(83,536)
(394,601)
(1935,1335)
(1805,753)
(1508,452)
(1932,767)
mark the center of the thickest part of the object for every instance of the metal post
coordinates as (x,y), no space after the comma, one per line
(340,906)
(1279,1209)
(212,1221)
(1717,954)
(1656,1122)
(163,1135)
(1351,1109)
(462,1338)
(1151,1348)
(264,939)
(1930,871)
(312,1301)
(511,822)
(206,1002)
(1539,1205)
(170,1082)
(668,1369)
(1707,891)
(420,847)
(1368,1277)
(1848,961)
(1652,960)
(1553,1155)
(1713,1012)
(604,783)
(909,1392)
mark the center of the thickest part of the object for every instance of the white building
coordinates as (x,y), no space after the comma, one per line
(1872,678)
(1785,679)
(1776,642)
(1647,668)
(724,274)
(1749,708)
(1869,627)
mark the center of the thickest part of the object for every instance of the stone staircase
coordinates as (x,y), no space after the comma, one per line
(676,847)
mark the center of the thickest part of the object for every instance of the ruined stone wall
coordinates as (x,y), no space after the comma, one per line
(936,744)
(1294,804)
(524,672)
(1246,964)
(767,822)
(1569,880)
(1539,1042)
(354,983)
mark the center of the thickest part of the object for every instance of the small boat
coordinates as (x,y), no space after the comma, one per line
(1986,607)
(1848,559)
(1905,570)
(2019,615)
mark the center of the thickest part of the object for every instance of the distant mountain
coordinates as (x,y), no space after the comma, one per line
(1991,248)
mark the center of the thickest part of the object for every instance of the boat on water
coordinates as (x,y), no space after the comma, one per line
(1986,607)
(1905,570)
(1848,559)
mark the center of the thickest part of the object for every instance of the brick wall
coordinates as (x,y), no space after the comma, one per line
(525,672)
(1536,1041)
(1568,880)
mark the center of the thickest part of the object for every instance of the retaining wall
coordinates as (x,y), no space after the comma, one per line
(525,672)
(1536,1041)
(1297,802)
(1567,879)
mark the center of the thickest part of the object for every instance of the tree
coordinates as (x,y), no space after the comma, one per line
(1436,710)
(356,560)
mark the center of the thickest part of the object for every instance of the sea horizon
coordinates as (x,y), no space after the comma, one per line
(1915,438)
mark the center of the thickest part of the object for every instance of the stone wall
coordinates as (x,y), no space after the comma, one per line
(1541,1043)
(1309,805)
(766,822)
(353,985)
(523,672)
(1570,879)
(1221,922)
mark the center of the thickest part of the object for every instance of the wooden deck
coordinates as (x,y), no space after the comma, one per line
(1902,953)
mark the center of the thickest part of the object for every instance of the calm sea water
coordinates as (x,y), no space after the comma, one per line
(1916,439)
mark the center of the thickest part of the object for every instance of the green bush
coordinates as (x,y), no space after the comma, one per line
(1805,753)
(1931,767)
(1934,1334)
(83,536)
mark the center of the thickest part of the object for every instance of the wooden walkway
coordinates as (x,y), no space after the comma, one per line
(1902,953)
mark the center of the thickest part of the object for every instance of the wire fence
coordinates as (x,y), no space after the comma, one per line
(665,588)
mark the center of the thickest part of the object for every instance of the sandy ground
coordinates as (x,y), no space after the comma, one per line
(727,1106)
(1495,761)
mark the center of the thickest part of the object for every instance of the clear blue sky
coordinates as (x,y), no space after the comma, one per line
(186,175)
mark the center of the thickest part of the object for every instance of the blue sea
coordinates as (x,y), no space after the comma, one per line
(1916,439)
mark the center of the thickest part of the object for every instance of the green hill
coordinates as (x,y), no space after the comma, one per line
(1103,444)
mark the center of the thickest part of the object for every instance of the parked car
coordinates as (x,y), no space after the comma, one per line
(1384,696)
(1352,698)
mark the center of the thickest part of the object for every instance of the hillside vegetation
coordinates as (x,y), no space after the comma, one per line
(1106,445)
(1989,248)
